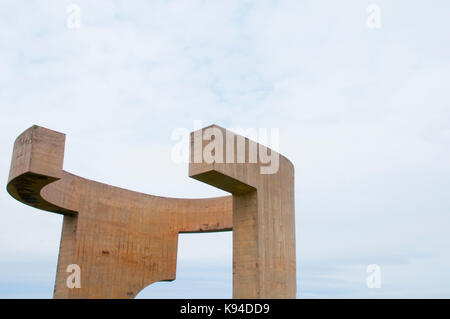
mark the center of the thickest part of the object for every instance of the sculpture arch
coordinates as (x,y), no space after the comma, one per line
(123,240)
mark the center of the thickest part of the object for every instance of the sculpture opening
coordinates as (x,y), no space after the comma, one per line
(204,269)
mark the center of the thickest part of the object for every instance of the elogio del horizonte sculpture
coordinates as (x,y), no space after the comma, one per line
(122,241)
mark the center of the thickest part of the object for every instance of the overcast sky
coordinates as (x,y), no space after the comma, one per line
(363,114)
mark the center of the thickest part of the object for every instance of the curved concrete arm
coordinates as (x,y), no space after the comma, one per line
(121,240)
(262,184)
(37,161)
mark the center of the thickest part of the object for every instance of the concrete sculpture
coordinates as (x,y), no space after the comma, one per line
(123,241)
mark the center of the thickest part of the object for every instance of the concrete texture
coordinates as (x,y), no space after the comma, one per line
(124,241)
(264,264)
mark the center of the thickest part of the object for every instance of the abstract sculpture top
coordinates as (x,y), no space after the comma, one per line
(123,241)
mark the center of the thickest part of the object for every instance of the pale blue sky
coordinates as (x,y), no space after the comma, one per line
(364,115)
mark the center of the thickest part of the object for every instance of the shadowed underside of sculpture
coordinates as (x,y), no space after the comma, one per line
(123,240)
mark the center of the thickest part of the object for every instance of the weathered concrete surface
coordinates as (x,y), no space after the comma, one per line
(123,240)
(264,264)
